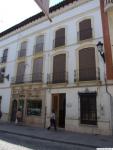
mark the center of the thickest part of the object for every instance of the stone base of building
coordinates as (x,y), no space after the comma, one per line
(5,117)
(102,128)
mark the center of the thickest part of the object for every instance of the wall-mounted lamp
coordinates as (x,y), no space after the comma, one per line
(100,50)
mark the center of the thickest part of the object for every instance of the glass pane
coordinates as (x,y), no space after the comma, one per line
(34,107)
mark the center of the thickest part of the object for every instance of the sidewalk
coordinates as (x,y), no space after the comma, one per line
(60,136)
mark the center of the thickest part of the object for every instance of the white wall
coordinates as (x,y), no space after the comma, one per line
(61,18)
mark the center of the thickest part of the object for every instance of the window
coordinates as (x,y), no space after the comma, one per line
(37,70)
(59,37)
(85,30)
(22,51)
(2,73)
(20,72)
(88,111)
(0,101)
(4,58)
(59,68)
(39,44)
(87,65)
(34,107)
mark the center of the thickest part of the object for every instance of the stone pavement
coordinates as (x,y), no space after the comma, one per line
(60,136)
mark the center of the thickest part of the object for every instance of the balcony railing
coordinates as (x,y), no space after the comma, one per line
(22,53)
(21,79)
(38,48)
(108,4)
(85,34)
(1,78)
(59,41)
(88,74)
(3,59)
(58,77)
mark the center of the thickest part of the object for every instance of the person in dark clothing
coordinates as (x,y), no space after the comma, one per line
(52,121)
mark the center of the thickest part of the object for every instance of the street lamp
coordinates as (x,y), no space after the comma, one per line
(100,50)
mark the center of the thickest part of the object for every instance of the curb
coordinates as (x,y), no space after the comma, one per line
(51,140)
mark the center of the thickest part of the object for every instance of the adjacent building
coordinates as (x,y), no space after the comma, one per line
(107,24)
(57,66)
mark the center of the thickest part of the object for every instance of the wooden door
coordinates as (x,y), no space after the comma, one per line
(14,110)
(58,105)
(55,106)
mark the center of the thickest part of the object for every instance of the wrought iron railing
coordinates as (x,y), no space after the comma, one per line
(57,77)
(1,78)
(35,77)
(88,74)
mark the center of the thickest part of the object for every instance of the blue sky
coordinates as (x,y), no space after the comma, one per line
(15,11)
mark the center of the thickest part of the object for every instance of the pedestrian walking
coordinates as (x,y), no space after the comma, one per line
(52,121)
(18,116)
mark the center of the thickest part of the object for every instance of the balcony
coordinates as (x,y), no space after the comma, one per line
(88,74)
(3,59)
(58,77)
(108,4)
(22,53)
(1,78)
(85,34)
(38,48)
(31,78)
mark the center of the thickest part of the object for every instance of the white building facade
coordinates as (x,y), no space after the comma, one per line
(57,66)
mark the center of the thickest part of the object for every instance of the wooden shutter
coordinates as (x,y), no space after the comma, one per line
(22,51)
(60,37)
(4,58)
(39,43)
(87,66)
(37,69)
(2,74)
(20,72)
(59,65)
(85,29)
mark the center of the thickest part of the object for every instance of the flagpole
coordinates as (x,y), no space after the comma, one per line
(49,18)
(45,8)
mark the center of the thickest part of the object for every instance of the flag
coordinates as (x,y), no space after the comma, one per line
(44,5)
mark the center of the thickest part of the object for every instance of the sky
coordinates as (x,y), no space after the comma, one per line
(15,11)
